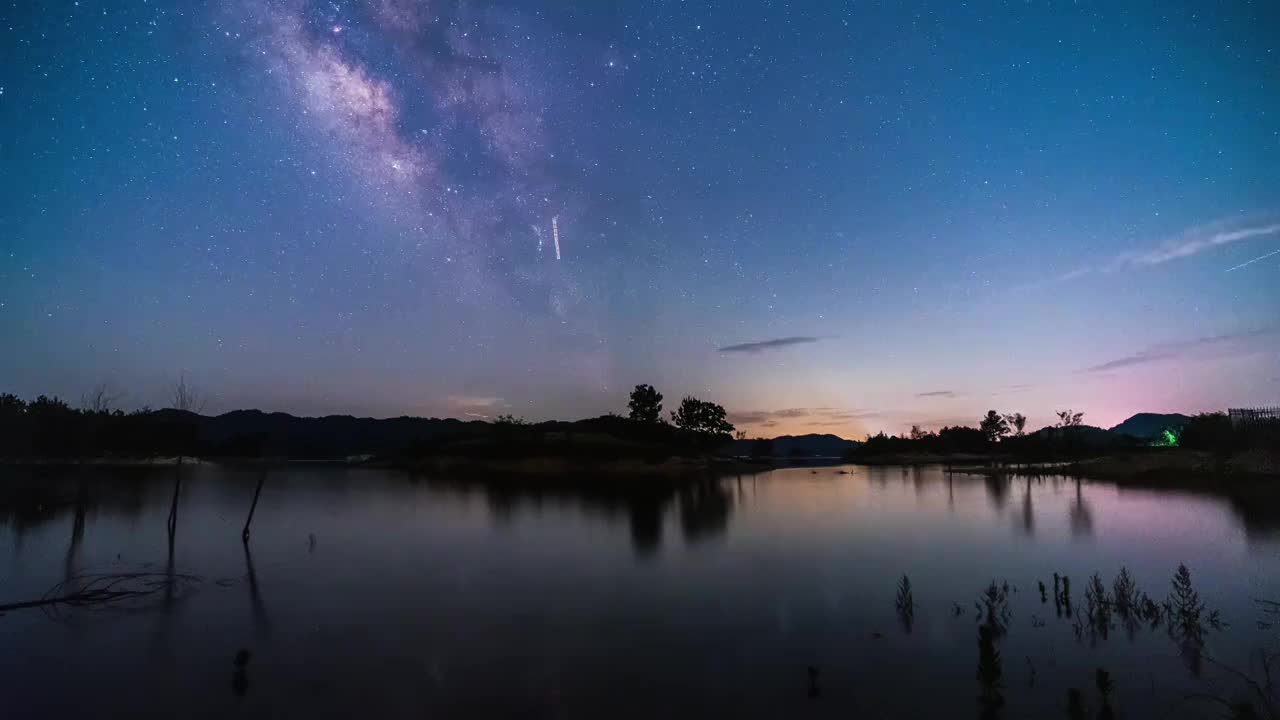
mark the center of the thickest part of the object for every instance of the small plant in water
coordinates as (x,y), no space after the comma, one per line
(993,607)
(1075,705)
(1097,604)
(1124,593)
(905,603)
(1184,605)
(1102,679)
(990,672)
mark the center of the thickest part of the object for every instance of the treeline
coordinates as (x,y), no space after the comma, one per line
(996,433)
(1069,438)
(50,428)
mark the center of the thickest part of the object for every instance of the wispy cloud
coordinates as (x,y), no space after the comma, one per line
(937,394)
(815,416)
(464,403)
(1188,243)
(1196,241)
(1215,346)
(773,344)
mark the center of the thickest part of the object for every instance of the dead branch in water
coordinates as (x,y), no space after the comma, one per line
(98,590)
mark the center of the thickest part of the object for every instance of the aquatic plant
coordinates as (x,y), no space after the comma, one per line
(1102,679)
(990,671)
(1124,593)
(1097,604)
(1184,604)
(993,607)
(1075,704)
(905,603)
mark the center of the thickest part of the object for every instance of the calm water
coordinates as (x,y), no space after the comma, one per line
(370,591)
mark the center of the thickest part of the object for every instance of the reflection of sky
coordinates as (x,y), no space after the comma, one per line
(346,207)
(452,595)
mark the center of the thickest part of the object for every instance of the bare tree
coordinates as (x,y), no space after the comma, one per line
(100,399)
(1018,422)
(186,397)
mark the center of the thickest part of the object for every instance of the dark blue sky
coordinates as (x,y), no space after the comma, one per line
(936,208)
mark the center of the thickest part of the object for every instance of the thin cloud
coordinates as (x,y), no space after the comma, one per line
(1215,346)
(764,345)
(937,394)
(1196,241)
(1188,243)
(816,416)
(471,403)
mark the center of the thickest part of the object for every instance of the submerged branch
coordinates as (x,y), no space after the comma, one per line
(101,589)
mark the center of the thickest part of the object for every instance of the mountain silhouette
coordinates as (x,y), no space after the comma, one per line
(811,445)
(1145,426)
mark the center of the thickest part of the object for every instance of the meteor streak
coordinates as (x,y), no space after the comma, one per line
(1264,257)
(555,233)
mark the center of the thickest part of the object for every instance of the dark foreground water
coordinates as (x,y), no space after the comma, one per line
(372,593)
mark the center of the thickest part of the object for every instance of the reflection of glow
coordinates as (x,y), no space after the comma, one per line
(555,234)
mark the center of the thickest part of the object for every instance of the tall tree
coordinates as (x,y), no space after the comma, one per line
(994,426)
(1017,422)
(645,405)
(1068,419)
(701,417)
(185,396)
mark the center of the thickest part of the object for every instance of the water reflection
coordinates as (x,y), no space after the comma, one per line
(704,511)
(1081,515)
(1028,512)
(518,591)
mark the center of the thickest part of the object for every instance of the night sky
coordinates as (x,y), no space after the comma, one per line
(826,216)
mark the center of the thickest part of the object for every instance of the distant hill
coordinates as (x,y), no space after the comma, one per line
(812,445)
(1145,426)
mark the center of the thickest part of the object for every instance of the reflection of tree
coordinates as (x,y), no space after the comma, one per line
(645,515)
(1081,515)
(77,529)
(172,525)
(502,506)
(997,490)
(704,510)
(255,595)
(1028,514)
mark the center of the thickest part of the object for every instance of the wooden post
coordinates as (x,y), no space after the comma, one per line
(173,506)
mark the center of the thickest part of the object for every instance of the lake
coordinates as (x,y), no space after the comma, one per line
(376,593)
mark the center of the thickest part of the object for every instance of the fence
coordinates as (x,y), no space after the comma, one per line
(1253,416)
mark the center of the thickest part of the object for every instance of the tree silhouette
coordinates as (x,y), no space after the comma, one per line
(701,417)
(994,426)
(645,404)
(1068,419)
(98,400)
(1017,422)
(185,397)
